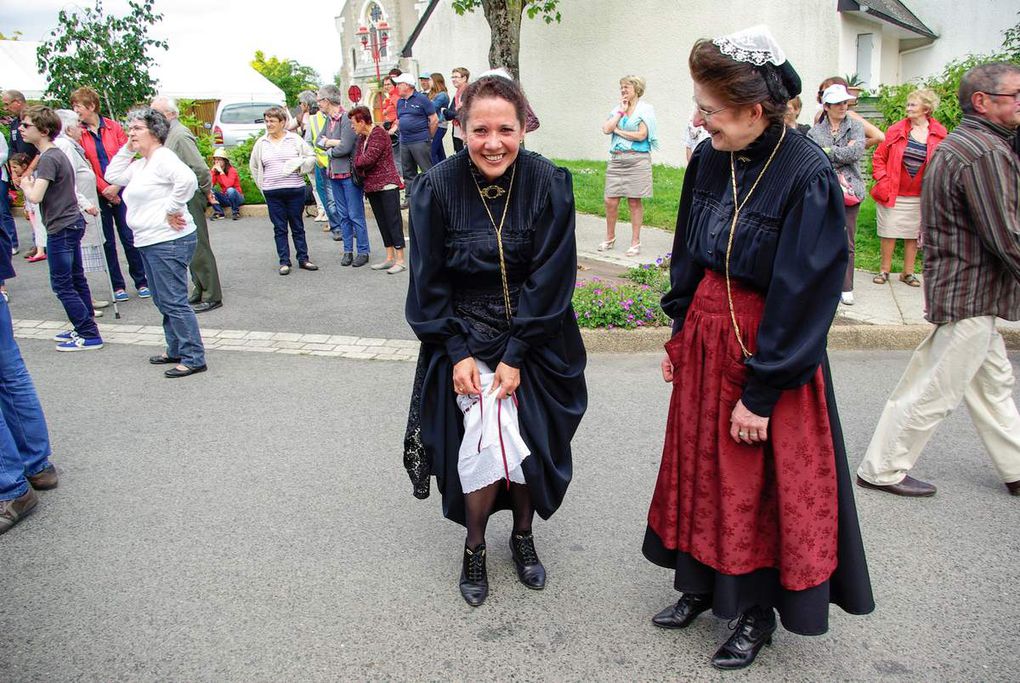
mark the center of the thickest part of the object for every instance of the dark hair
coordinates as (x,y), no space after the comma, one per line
(394,72)
(488,87)
(983,78)
(154,120)
(20,159)
(44,119)
(225,160)
(738,84)
(86,96)
(360,114)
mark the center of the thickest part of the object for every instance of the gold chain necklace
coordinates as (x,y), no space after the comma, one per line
(737,208)
(499,233)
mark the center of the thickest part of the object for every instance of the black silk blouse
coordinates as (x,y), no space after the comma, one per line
(790,244)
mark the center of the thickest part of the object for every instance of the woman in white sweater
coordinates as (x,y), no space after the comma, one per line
(157,188)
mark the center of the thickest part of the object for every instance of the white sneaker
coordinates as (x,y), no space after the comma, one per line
(847,298)
(321,218)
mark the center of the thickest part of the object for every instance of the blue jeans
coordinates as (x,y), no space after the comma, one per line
(24,439)
(350,205)
(285,207)
(6,219)
(117,214)
(67,278)
(325,190)
(231,198)
(167,265)
(438,153)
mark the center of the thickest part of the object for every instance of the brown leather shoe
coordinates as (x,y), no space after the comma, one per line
(45,480)
(13,511)
(909,487)
(1014,487)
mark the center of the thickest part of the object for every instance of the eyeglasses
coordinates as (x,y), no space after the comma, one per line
(705,113)
(26,126)
(1014,95)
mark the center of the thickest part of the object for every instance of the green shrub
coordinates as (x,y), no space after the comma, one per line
(239,157)
(655,276)
(599,304)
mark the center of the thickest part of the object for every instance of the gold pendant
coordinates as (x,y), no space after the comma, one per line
(492,192)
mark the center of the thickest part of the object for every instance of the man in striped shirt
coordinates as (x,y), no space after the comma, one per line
(970,208)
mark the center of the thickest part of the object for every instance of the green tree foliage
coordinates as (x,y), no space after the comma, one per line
(287,75)
(892,99)
(203,138)
(108,53)
(504,18)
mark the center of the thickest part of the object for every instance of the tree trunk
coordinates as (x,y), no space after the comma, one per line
(504,17)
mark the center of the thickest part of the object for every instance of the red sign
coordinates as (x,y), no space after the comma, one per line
(354,92)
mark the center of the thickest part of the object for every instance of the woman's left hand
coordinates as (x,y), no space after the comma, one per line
(176,220)
(506,381)
(746,427)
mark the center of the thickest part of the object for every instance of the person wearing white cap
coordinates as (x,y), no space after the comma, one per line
(753,508)
(841,137)
(417,123)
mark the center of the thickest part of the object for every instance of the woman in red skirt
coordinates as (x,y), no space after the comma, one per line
(753,507)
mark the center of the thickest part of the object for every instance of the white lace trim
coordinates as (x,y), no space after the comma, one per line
(754,45)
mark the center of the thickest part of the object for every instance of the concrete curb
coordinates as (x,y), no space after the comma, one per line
(841,338)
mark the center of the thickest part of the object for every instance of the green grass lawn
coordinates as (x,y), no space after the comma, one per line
(660,210)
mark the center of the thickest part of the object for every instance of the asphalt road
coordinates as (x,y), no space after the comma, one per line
(255,524)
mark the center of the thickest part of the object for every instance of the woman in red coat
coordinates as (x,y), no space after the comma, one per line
(898,168)
(381,183)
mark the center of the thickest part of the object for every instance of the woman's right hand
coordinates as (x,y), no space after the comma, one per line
(466,379)
(667,369)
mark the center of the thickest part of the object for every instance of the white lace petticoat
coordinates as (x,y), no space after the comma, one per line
(492,449)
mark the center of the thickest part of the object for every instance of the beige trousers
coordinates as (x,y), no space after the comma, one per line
(959,361)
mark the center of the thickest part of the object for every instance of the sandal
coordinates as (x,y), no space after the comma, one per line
(881,278)
(634,250)
(910,279)
(608,245)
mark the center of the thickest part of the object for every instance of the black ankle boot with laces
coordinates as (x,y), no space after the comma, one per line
(754,630)
(529,568)
(474,579)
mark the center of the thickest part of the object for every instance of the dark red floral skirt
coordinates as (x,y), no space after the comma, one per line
(733,507)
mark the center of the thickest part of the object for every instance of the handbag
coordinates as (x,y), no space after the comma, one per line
(849,197)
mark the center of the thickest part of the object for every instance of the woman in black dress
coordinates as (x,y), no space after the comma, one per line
(753,507)
(493,264)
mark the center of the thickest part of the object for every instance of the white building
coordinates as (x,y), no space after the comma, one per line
(571,70)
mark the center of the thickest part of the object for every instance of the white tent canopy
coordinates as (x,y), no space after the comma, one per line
(180,73)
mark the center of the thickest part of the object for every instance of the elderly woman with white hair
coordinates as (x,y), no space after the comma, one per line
(157,189)
(629,172)
(92,256)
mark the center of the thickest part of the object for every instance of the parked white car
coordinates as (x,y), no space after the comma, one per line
(236,121)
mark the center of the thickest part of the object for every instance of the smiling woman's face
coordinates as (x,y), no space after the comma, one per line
(494,135)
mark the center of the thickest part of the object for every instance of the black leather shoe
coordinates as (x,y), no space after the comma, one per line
(474,579)
(163,360)
(196,297)
(173,373)
(529,568)
(204,306)
(909,487)
(308,265)
(754,630)
(686,610)
(359,260)
(1013,487)
(347,259)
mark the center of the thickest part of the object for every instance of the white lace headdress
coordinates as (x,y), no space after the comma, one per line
(754,45)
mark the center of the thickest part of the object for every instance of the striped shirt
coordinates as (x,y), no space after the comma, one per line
(914,156)
(970,214)
(276,156)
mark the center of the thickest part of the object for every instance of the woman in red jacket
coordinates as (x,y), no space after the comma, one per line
(226,186)
(898,168)
(381,183)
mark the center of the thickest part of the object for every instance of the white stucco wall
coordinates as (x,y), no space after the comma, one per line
(963,26)
(571,70)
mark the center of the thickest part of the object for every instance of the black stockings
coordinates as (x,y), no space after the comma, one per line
(479,505)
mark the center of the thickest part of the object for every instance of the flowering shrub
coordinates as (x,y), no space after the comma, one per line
(599,304)
(654,275)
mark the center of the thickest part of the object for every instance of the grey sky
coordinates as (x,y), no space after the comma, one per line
(220,29)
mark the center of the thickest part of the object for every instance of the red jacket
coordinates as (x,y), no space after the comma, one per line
(374,161)
(887,163)
(112,137)
(226,180)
